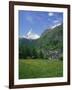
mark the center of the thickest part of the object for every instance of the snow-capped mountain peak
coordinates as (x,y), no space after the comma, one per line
(55,25)
(31,35)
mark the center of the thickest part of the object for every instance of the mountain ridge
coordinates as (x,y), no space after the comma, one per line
(50,43)
(31,35)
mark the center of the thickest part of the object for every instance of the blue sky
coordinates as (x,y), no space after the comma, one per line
(37,21)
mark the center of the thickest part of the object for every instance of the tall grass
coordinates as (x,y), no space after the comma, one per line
(40,68)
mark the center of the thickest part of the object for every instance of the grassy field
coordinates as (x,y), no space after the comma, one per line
(40,68)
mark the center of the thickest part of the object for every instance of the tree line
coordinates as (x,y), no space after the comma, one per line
(26,52)
(31,52)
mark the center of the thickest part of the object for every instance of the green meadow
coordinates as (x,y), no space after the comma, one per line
(38,68)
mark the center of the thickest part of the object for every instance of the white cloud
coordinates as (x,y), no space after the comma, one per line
(56,21)
(29,18)
(50,14)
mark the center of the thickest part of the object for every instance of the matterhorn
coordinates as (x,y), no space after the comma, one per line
(31,35)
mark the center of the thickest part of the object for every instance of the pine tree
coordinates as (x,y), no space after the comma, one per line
(41,54)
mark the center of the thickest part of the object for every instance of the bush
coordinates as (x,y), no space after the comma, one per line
(61,58)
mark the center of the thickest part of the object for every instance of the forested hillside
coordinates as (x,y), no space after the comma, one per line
(48,46)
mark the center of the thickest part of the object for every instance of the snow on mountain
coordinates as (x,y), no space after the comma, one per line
(55,25)
(31,35)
